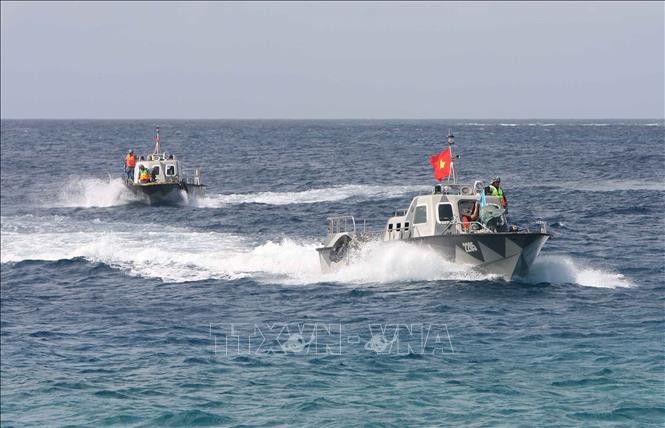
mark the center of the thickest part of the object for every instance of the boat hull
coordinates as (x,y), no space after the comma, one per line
(155,194)
(508,255)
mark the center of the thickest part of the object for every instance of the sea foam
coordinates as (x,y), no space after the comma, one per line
(94,192)
(178,255)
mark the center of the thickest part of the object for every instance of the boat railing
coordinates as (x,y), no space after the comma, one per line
(544,227)
(160,156)
(349,224)
(195,180)
(341,224)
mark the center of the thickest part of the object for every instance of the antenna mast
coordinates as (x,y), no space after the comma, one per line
(451,141)
(156,152)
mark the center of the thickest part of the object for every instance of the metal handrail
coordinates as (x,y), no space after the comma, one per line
(340,224)
(349,224)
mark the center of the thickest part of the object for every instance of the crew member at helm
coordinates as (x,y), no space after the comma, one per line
(470,215)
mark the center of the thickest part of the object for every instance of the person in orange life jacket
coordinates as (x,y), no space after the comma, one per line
(130,162)
(495,189)
(470,215)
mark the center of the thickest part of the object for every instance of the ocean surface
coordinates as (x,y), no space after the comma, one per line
(214,312)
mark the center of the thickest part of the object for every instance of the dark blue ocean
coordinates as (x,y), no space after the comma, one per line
(215,313)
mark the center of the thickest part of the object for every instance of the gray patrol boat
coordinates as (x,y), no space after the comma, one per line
(166,182)
(441,221)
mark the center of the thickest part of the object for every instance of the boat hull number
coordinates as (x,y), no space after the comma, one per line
(469,247)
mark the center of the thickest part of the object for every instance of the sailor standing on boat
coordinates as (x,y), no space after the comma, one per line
(130,163)
(496,190)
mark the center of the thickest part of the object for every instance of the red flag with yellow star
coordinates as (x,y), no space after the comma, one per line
(441,164)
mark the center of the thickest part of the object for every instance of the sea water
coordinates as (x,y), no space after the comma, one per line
(215,311)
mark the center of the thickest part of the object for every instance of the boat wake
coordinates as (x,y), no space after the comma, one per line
(312,196)
(376,262)
(99,193)
(182,255)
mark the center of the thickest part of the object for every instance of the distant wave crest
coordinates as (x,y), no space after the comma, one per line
(608,185)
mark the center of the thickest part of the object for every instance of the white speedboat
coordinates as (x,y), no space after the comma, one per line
(445,222)
(159,178)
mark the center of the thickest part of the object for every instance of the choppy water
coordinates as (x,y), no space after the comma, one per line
(216,313)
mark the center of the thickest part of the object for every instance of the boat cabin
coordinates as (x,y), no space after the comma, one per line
(448,210)
(162,167)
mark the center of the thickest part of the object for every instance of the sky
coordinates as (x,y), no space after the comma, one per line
(329,60)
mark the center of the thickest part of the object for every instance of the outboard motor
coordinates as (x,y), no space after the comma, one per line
(340,248)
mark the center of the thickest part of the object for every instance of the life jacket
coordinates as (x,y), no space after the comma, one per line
(466,222)
(498,191)
(130,160)
(144,176)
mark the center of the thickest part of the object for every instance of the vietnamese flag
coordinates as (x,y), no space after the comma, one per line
(441,164)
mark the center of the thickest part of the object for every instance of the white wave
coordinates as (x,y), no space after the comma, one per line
(563,270)
(178,255)
(311,196)
(595,124)
(94,192)
(378,262)
(508,124)
(164,254)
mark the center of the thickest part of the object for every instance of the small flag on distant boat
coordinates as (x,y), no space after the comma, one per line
(441,164)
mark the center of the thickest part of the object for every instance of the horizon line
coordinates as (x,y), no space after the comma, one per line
(330,119)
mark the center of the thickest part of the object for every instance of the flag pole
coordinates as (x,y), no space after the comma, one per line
(157,141)
(451,141)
